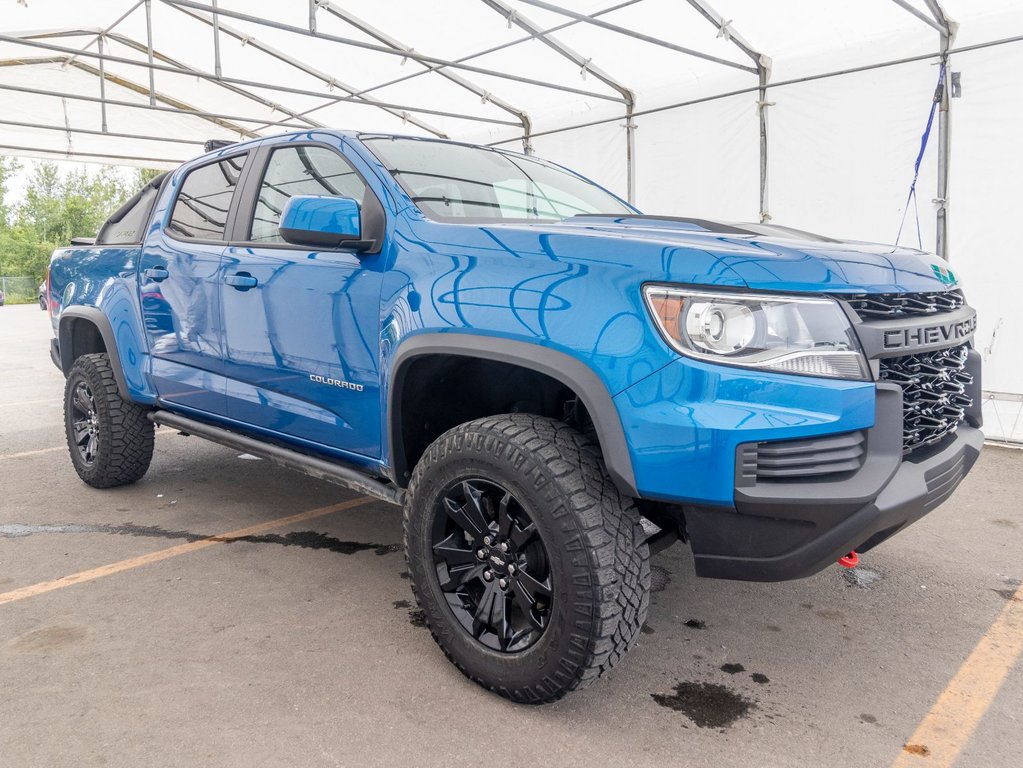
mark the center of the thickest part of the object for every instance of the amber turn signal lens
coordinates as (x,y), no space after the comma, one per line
(668,309)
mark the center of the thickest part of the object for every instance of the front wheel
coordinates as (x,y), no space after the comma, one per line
(530,567)
(110,439)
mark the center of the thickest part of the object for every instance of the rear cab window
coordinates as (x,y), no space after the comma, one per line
(128,224)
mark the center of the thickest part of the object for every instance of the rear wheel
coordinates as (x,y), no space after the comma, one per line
(530,567)
(110,439)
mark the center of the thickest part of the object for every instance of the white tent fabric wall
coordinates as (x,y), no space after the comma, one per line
(841,148)
(841,154)
(986,171)
(701,160)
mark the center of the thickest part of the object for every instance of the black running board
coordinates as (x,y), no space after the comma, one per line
(321,469)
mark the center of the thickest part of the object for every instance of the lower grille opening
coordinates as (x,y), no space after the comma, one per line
(934,399)
(818,458)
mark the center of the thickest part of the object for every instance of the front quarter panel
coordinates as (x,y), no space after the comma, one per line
(577,294)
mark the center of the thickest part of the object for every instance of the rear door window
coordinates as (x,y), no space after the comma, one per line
(200,211)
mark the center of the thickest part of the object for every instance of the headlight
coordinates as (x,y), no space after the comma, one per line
(789,334)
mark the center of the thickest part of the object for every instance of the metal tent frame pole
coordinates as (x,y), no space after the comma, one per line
(459,80)
(501,47)
(351,99)
(590,19)
(585,65)
(763,70)
(249,18)
(947,28)
(149,46)
(948,32)
(102,83)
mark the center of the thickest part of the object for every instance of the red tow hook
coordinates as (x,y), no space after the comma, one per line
(849,561)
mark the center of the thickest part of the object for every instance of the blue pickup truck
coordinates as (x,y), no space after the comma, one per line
(551,383)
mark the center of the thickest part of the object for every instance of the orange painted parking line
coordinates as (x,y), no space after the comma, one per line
(947,728)
(181,549)
(25,454)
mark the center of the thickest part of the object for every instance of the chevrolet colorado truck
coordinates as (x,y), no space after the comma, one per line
(551,383)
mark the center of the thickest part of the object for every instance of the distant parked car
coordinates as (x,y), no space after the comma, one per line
(43,298)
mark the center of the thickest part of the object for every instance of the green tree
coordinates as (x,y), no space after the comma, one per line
(8,167)
(145,175)
(56,208)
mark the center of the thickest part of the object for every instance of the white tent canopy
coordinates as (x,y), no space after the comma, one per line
(806,112)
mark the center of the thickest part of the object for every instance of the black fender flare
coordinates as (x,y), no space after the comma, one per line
(568,370)
(68,317)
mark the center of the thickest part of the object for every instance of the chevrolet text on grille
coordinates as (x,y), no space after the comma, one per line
(930,334)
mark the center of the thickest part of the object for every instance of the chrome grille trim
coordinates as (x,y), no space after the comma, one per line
(934,393)
(888,306)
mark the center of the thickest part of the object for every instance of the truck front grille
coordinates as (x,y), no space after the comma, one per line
(887,306)
(934,398)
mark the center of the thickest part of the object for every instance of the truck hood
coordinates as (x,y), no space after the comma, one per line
(758,256)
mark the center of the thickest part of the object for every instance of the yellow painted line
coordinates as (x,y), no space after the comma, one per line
(25,454)
(947,728)
(181,549)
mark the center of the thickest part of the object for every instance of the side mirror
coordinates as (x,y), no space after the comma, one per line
(325,222)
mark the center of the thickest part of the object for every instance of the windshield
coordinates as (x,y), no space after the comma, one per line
(456,182)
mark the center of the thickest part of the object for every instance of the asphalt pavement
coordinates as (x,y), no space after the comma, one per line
(297,642)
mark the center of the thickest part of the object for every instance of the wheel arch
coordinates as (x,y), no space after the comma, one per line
(85,330)
(559,366)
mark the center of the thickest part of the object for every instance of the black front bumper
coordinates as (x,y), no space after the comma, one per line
(789,530)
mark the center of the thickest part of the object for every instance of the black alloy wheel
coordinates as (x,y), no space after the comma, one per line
(530,567)
(492,565)
(110,439)
(84,423)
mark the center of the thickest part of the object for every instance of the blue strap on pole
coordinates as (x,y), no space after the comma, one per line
(938,93)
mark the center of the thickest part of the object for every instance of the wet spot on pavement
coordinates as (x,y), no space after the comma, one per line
(772,628)
(660,578)
(708,705)
(303,539)
(416,616)
(1001,521)
(732,669)
(696,624)
(405,575)
(826,613)
(868,719)
(48,639)
(759,678)
(864,578)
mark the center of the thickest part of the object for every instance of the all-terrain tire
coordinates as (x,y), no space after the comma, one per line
(110,439)
(598,560)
